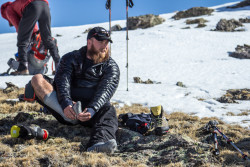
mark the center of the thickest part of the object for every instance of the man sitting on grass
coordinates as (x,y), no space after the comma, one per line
(88,75)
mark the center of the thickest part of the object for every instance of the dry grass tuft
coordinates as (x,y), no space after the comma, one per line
(7,106)
(244,113)
(135,108)
(230,114)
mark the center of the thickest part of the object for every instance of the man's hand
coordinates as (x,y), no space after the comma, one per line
(69,113)
(84,116)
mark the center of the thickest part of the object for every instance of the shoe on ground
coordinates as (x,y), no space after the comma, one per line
(24,72)
(159,121)
(104,147)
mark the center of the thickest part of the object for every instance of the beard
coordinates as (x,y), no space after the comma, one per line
(98,56)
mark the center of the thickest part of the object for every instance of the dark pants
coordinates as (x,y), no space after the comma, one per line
(104,124)
(36,11)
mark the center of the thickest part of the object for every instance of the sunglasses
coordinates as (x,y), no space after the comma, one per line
(101,34)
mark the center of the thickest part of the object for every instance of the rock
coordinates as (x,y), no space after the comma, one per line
(228,25)
(196,21)
(235,94)
(201,25)
(186,27)
(180,84)
(226,99)
(10,88)
(78,36)
(241,4)
(116,27)
(241,52)
(148,82)
(138,80)
(44,161)
(193,12)
(144,21)
(246,20)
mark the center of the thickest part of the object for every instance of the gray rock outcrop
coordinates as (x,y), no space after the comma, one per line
(235,94)
(241,52)
(116,27)
(193,12)
(144,21)
(196,21)
(228,25)
(246,20)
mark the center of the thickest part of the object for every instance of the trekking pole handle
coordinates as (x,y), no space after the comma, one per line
(108,4)
(130,4)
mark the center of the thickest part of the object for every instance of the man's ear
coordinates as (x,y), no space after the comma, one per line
(89,43)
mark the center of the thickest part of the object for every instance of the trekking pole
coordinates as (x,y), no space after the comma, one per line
(129,3)
(209,127)
(216,150)
(229,141)
(212,124)
(108,6)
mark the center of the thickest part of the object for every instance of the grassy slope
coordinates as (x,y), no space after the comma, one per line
(67,146)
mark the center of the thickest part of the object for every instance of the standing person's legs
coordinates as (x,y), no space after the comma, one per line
(25,30)
(105,125)
(45,31)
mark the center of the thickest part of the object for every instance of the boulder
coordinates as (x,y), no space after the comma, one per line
(116,27)
(180,84)
(246,20)
(228,25)
(196,21)
(10,88)
(138,80)
(193,12)
(201,25)
(144,21)
(201,22)
(235,94)
(241,52)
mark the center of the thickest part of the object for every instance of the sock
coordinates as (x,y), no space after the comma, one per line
(51,101)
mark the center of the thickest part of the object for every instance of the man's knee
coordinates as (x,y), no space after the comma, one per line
(37,80)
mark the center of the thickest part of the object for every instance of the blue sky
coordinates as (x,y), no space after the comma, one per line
(81,12)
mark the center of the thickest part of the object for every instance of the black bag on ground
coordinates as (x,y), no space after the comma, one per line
(137,122)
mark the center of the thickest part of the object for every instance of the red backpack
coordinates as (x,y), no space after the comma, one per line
(37,46)
(38,55)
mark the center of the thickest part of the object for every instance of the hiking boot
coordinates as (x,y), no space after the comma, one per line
(24,72)
(28,132)
(159,121)
(104,147)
